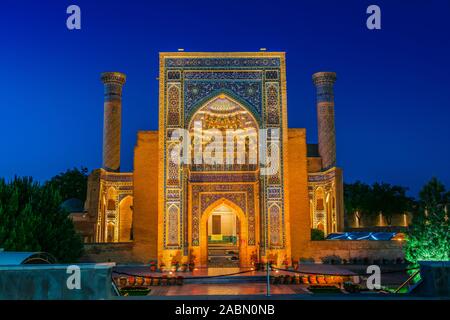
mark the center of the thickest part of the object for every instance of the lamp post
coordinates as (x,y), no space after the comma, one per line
(267,260)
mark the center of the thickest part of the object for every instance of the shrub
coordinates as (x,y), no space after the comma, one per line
(317,234)
(333,259)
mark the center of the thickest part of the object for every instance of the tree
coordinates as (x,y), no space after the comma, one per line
(389,200)
(31,219)
(433,193)
(380,198)
(356,199)
(71,184)
(429,236)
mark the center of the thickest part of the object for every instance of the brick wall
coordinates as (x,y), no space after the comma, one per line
(145,216)
(298,191)
(119,252)
(347,249)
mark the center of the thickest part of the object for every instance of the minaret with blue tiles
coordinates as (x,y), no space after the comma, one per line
(324,82)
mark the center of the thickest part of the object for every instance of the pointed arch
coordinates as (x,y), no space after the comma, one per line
(111,199)
(243,236)
(230,95)
(229,138)
(110,231)
(125,218)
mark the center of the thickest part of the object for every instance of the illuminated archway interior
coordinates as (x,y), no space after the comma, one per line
(223,236)
(232,121)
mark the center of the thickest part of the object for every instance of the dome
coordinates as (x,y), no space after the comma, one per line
(73,205)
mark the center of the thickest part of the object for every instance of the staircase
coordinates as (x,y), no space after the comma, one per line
(223,255)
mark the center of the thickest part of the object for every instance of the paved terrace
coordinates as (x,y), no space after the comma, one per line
(251,284)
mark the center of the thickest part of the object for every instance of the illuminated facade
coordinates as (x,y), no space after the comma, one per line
(206,209)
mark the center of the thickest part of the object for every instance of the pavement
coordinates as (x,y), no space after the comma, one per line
(245,282)
(254,289)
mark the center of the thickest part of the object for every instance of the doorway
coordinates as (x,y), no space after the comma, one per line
(229,247)
(223,237)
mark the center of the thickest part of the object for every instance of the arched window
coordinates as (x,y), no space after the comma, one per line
(125,218)
(319,200)
(111,197)
(111,204)
(111,229)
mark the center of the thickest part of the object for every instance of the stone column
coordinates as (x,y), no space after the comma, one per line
(112,119)
(324,82)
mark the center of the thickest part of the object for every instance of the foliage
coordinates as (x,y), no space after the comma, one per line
(389,200)
(356,198)
(324,289)
(360,198)
(134,291)
(31,219)
(351,287)
(317,234)
(429,236)
(71,184)
(331,259)
(434,193)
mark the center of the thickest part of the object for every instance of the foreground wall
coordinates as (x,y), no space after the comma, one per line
(44,282)
(435,279)
(348,249)
(110,252)
(125,253)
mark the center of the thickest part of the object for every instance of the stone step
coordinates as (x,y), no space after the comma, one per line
(221,253)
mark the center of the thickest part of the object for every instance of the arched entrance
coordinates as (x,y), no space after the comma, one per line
(223,237)
(223,234)
(125,218)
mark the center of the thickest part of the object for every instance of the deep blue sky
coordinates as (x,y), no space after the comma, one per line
(392,94)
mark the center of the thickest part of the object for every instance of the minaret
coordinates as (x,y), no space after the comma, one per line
(324,82)
(112,119)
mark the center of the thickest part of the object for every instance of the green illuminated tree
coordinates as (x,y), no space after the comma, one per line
(429,235)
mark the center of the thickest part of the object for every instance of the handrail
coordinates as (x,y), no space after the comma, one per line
(115,289)
(407,281)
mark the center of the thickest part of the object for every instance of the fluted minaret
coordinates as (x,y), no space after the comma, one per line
(324,82)
(112,119)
